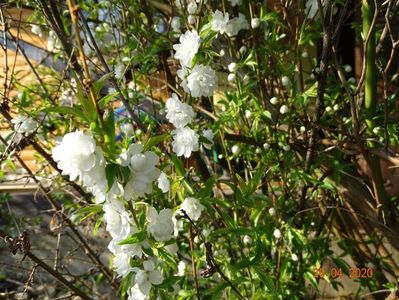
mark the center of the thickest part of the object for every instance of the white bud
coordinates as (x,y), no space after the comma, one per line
(232,67)
(243,49)
(258,150)
(255,23)
(274,100)
(285,80)
(348,68)
(248,113)
(222,52)
(191,19)
(336,107)
(277,233)
(305,54)
(127,129)
(246,78)
(247,240)
(286,148)
(352,80)
(294,257)
(220,156)
(192,8)
(266,146)
(272,211)
(235,149)
(328,109)
(231,77)
(284,109)
(376,130)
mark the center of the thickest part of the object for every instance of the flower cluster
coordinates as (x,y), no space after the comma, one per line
(24,125)
(222,24)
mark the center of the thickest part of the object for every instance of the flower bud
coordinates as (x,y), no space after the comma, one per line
(272,211)
(231,77)
(273,101)
(247,240)
(284,109)
(277,234)
(232,67)
(191,19)
(235,149)
(285,80)
(255,23)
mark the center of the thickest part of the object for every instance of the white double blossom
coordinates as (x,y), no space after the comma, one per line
(192,207)
(147,277)
(178,113)
(121,264)
(219,21)
(24,125)
(134,293)
(188,47)
(163,182)
(202,81)
(160,226)
(222,24)
(143,171)
(185,141)
(117,220)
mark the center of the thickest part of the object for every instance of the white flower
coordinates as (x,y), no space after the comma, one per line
(36,30)
(144,172)
(134,293)
(208,134)
(247,240)
(177,225)
(266,146)
(284,109)
(147,277)
(248,113)
(75,154)
(236,24)
(235,149)
(163,182)
(24,125)
(185,141)
(127,129)
(235,2)
(175,24)
(277,234)
(188,47)
(232,67)
(182,74)
(117,219)
(53,42)
(219,21)
(192,207)
(119,71)
(272,211)
(312,8)
(255,23)
(202,81)
(231,77)
(191,19)
(274,100)
(172,248)
(285,80)
(131,249)
(160,226)
(294,257)
(121,264)
(181,267)
(192,8)
(178,113)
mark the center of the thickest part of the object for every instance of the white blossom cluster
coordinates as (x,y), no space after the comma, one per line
(80,158)
(199,80)
(24,125)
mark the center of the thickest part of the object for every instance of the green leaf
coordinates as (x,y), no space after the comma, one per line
(66,110)
(110,130)
(111,171)
(155,140)
(102,103)
(267,280)
(99,84)
(134,238)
